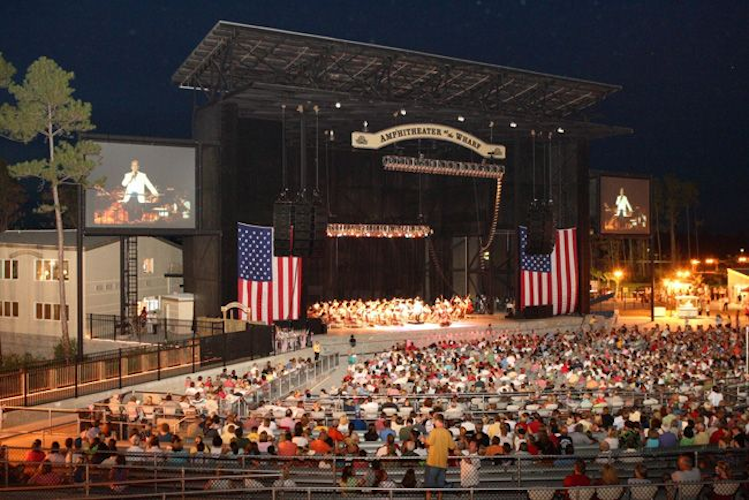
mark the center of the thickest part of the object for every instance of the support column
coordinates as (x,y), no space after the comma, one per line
(583,225)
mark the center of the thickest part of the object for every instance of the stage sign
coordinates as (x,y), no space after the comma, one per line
(147,186)
(624,205)
(388,136)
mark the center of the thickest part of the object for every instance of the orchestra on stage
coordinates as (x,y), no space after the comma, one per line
(390,312)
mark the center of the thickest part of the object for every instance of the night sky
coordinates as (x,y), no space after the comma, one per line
(684,66)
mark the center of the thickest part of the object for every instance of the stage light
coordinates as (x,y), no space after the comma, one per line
(461,118)
(560,130)
(338,104)
(513,125)
(442,167)
(403,111)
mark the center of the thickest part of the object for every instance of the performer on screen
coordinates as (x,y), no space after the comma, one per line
(135,183)
(623,208)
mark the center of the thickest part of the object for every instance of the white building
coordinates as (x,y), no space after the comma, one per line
(29,293)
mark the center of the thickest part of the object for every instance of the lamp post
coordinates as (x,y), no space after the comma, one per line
(618,274)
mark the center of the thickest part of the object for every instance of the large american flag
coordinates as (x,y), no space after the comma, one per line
(550,278)
(270,286)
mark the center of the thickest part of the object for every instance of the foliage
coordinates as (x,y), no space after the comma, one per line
(59,350)
(12,199)
(44,107)
(10,362)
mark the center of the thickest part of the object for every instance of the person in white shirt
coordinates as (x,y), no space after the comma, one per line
(715,397)
(135,184)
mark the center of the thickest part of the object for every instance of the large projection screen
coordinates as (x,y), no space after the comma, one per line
(624,206)
(147,187)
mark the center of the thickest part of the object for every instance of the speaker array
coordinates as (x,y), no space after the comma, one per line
(540,228)
(299,227)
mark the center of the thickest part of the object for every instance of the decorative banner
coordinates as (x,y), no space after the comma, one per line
(388,136)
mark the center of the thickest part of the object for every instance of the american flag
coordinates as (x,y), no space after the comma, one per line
(270,286)
(550,278)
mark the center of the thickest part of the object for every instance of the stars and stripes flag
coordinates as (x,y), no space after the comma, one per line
(270,286)
(550,279)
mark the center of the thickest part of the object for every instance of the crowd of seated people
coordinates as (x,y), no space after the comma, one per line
(684,360)
(390,312)
(380,417)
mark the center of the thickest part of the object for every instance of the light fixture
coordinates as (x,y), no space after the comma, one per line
(378,231)
(695,262)
(709,261)
(461,118)
(403,111)
(513,125)
(338,104)
(423,165)
(560,130)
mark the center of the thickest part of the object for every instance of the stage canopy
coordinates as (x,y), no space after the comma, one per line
(262,69)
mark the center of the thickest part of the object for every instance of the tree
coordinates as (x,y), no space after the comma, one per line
(678,195)
(44,107)
(13,198)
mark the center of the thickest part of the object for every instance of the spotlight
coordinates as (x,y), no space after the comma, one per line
(560,130)
(403,111)
(491,124)
(513,125)
(338,104)
(461,118)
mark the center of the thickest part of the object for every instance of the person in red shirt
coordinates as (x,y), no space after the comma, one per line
(34,457)
(287,447)
(577,478)
(336,435)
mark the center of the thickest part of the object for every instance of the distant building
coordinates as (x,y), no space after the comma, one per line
(29,292)
(738,285)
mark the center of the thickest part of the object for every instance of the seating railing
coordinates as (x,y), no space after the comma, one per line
(94,482)
(310,471)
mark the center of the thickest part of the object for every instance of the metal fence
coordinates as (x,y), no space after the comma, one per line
(153,330)
(495,472)
(286,479)
(53,381)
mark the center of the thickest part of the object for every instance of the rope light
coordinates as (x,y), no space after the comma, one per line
(495,216)
(378,231)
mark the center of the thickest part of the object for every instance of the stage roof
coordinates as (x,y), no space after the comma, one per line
(262,69)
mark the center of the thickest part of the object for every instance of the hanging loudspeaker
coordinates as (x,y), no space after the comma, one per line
(283,218)
(540,228)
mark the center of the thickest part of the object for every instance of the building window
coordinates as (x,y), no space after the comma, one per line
(8,269)
(9,309)
(50,311)
(148,265)
(47,270)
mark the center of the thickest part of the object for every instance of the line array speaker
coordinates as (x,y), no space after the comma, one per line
(540,228)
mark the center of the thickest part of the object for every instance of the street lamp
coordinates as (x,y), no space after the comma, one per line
(618,274)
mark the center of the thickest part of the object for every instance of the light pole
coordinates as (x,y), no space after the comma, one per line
(618,274)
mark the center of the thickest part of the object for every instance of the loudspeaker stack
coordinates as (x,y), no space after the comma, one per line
(540,228)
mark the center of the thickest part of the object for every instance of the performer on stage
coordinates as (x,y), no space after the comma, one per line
(135,183)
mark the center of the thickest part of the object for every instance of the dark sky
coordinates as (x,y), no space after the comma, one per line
(684,65)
